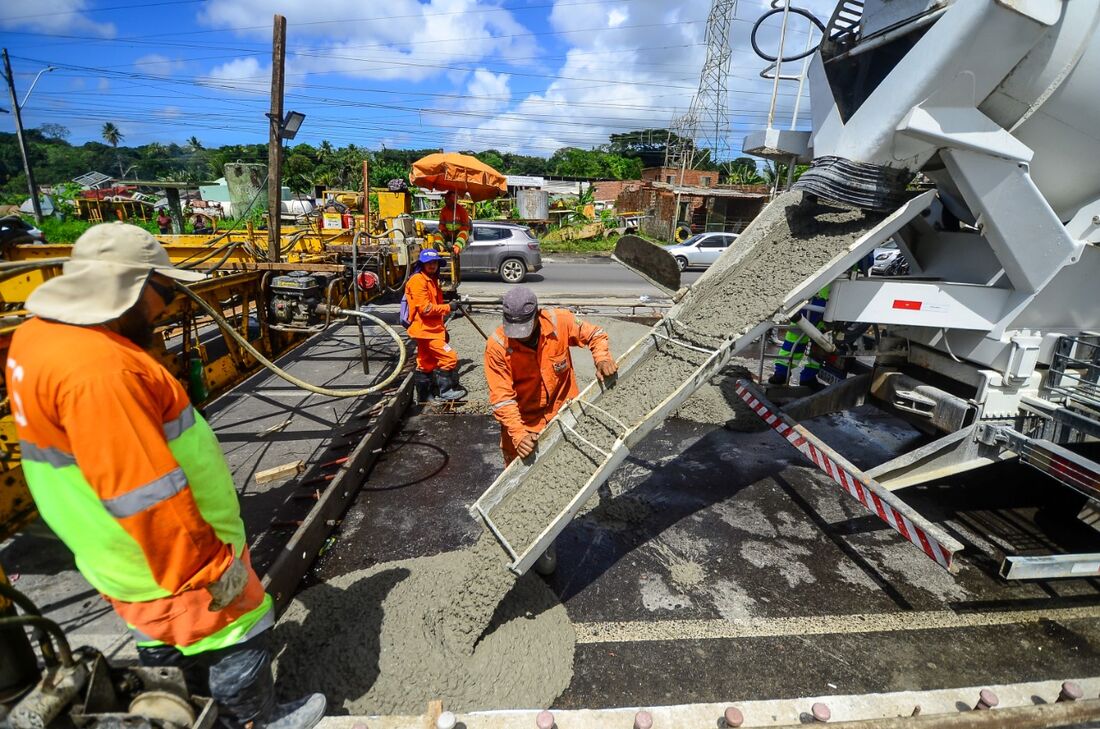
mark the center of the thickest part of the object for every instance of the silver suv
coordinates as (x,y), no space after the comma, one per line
(505,249)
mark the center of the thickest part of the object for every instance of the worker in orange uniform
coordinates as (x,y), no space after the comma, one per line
(436,361)
(530,370)
(454,226)
(130,476)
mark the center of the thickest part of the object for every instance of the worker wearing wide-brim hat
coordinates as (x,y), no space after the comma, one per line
(130,476)
(424,314)
(529,368)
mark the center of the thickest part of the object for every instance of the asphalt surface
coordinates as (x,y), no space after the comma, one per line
(565,277)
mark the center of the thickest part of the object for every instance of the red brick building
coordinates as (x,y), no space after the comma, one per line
(664,206)
(671,176)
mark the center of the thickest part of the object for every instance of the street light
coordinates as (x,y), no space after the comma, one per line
(17,107)
(28,94)
(289,126)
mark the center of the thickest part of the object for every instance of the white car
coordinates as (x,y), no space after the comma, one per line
(884,256)
(701,250)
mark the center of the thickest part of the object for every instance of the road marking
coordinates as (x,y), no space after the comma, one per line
(642,631)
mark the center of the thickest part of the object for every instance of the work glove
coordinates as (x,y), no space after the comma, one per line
(225,591)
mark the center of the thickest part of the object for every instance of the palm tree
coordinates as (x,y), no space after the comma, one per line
(194,144)
(112,135)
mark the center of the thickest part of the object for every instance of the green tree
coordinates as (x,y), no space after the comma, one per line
(113,136)
(742,171)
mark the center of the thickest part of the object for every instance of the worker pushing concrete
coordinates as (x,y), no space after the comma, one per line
(530,370)
(130,476)
(424,314)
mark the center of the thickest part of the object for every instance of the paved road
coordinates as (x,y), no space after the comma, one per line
(592,277)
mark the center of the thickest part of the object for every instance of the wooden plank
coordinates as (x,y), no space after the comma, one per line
(435,708)
(302,549)
(277,473)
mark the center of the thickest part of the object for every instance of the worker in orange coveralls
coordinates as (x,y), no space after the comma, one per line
(423,313)
(530,370)
(454,226)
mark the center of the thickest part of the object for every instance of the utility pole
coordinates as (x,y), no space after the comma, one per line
(18,114)
(275,141)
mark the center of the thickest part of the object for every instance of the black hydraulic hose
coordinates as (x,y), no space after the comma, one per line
(28,606)
(41,623)
(355,301)
(775,11)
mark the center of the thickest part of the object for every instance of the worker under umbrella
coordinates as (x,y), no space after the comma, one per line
(454,226)
(424,313)
(530,370)
(131,478)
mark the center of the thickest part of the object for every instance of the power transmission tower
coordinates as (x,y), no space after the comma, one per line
(706,123)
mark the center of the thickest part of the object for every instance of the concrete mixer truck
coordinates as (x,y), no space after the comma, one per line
(968,133)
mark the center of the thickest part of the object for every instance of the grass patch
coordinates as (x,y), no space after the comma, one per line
(67,231)
(590,247)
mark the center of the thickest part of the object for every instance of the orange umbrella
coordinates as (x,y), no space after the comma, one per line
(458,173)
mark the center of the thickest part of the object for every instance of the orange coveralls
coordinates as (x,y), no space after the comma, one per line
(528,387)
(428,311)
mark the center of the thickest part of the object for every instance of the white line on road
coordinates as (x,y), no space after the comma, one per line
(641,631)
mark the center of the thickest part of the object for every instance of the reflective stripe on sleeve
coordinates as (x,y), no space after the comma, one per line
(174,428)
(144,497)
(504,403)
(53,456)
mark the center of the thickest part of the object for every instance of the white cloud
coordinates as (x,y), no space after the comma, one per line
(244,74)
(158,65)
(639,72)
(397,40)
(53,17)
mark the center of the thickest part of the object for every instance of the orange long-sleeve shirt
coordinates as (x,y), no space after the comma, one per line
(528,386)
(426,306)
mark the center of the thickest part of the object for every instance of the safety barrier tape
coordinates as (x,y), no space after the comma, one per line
(864,489)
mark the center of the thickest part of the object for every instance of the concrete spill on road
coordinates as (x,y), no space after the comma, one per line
(388,639)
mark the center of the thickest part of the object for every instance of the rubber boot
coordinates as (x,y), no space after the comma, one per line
(780,377)
(422,382)
(446,384)
(808,378)
(304,713)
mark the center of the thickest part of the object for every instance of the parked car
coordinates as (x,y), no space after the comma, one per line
(884,256)
(508,250)
(701,250)
(16,231)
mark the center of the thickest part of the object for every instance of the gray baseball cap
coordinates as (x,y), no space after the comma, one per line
(521,306)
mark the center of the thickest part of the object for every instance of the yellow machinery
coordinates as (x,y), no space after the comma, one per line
(271,303)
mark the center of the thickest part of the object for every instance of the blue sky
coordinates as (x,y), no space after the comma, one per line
(527,76)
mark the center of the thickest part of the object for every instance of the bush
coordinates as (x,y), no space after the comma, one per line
(67,231)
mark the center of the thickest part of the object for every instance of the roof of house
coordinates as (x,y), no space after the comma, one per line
(710,191)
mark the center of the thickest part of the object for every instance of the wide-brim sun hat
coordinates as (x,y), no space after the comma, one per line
(105,276)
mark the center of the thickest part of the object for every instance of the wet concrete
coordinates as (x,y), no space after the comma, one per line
(772,540)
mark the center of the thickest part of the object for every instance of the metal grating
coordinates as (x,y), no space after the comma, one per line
(1074,377)
(845,23)
(92,179)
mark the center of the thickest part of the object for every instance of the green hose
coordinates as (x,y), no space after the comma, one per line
(247,346)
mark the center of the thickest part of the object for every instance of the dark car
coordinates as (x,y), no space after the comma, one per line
(508,250)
